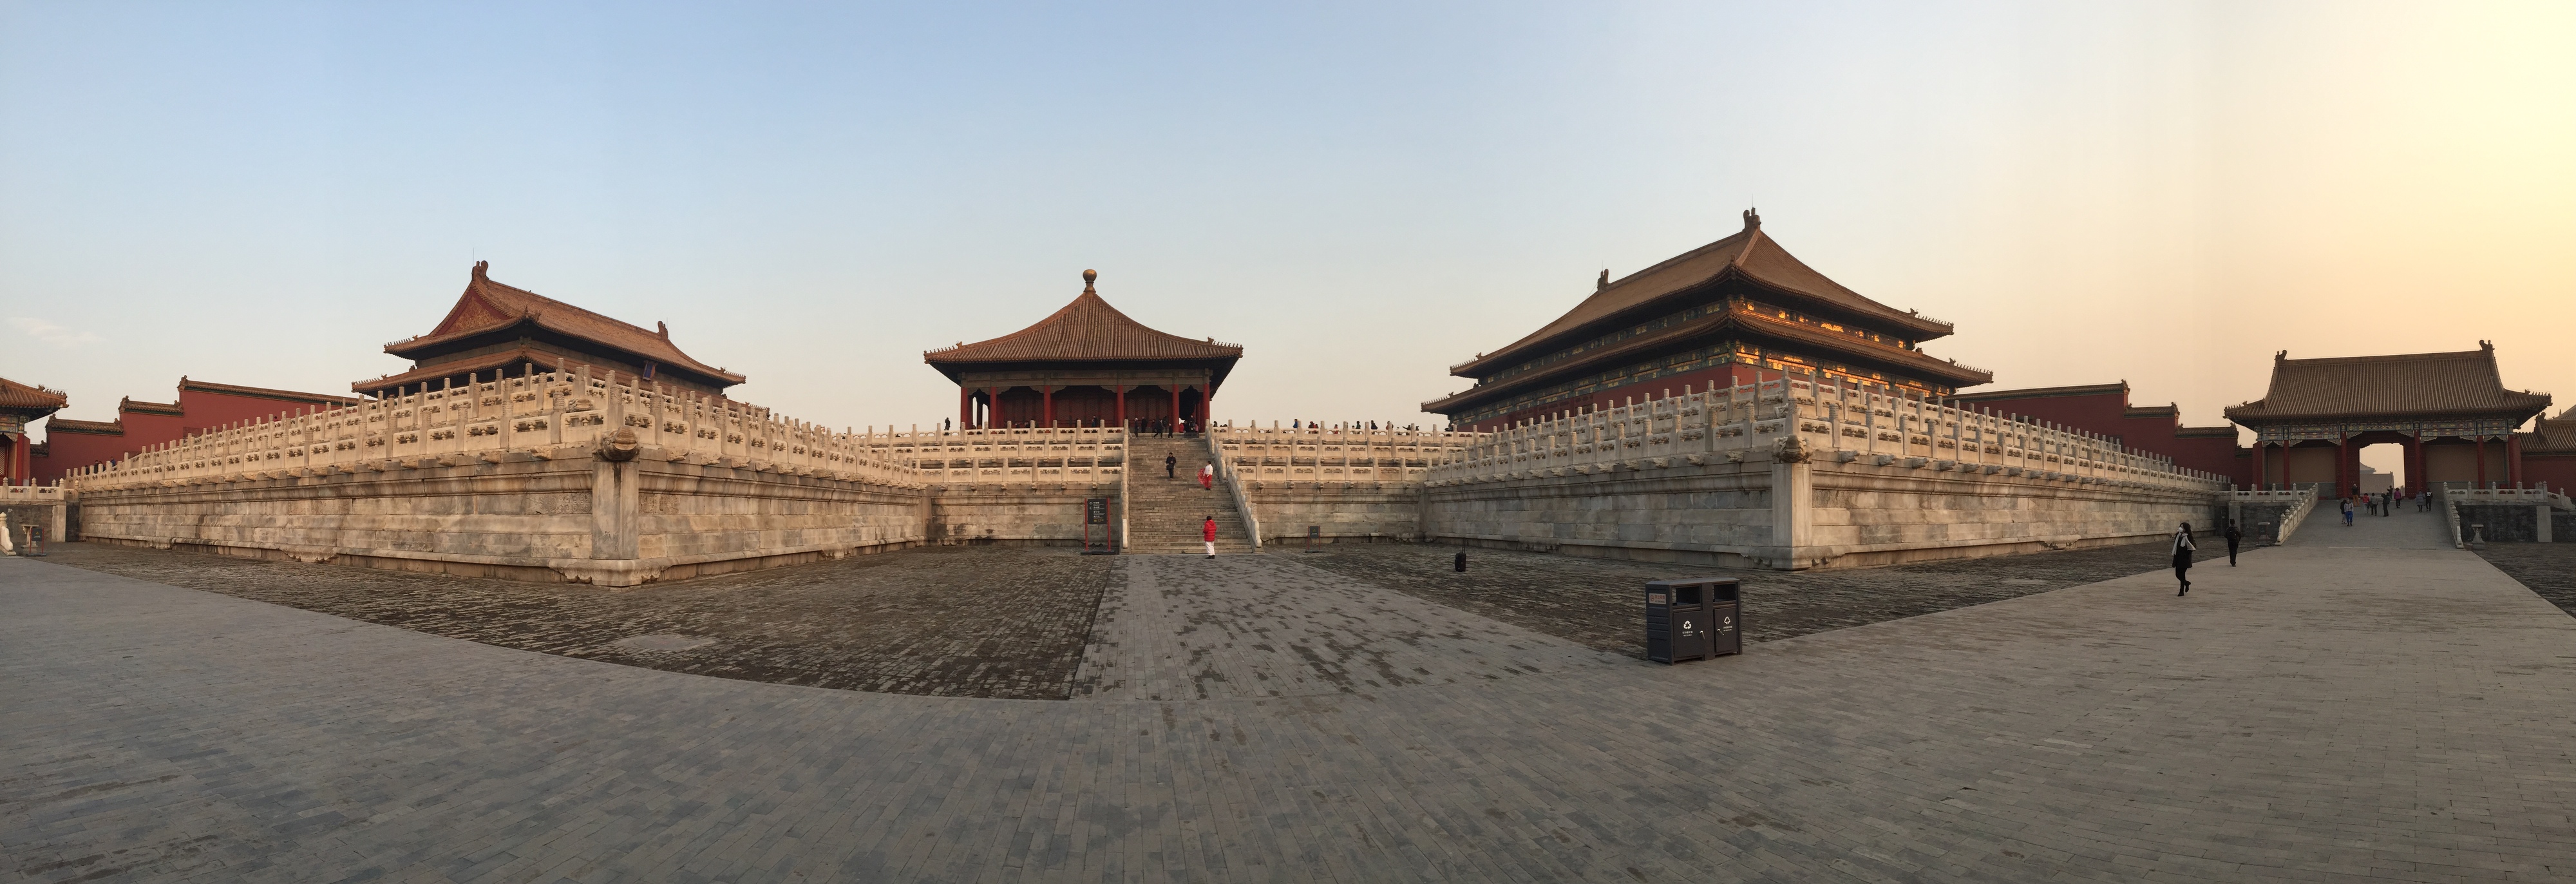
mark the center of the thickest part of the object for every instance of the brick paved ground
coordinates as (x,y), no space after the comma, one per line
(1601,604)
(2547,568)
(964,621)
(2279,724)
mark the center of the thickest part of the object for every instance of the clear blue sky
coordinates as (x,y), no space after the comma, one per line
(1360,194)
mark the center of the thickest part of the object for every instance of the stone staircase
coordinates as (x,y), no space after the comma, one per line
(1164,515)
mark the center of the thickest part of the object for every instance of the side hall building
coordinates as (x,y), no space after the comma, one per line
(21,405)
(501,331)
(1724,314)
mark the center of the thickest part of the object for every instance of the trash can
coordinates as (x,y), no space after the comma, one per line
(1693,619)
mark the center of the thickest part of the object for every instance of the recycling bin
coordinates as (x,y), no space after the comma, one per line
(1693,619)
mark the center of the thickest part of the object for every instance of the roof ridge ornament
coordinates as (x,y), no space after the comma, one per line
(1088,277)
(481,268)
(1752,219)
(1604,282)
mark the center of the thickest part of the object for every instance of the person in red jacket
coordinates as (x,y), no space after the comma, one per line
(1208,531)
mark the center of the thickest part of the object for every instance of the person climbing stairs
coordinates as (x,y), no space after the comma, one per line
(1168,515)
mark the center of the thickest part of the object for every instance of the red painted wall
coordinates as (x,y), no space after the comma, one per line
(2559,470)
(203,410)
(2109,413)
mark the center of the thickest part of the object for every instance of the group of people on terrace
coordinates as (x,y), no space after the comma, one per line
(2384,503)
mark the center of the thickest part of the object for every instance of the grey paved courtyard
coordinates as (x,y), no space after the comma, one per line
(1261,719)
(2548,568)
(897,622)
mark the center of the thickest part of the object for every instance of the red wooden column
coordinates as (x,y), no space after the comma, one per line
(2512,458)
(992,407)
(2414,457)
(2481,439)
(2261,469)
(1047,393)
(1176,407)
(1120,391)
(965,406)
(2343,455)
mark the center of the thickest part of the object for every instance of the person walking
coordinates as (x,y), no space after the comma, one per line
(2347,512)
(1172,462)
(1207,477)
(2233,535)
(1207,530)
(2182,550)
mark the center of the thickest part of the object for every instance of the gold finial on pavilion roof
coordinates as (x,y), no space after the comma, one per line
(1089,276)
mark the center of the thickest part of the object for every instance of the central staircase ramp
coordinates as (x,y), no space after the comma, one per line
(1164,516)
(2403,529)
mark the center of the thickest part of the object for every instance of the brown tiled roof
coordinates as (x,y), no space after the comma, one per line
(488,305)
(129,403)
(1749,254)
(2121,388)
(265,393)
(1086,330)
(101,428)
(2554,434)
(17,395)
(2409,385)
(1846,346)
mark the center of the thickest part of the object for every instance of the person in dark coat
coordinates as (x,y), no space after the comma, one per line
(2233,535)
(1461,562)
(1171,462)
(2182,550)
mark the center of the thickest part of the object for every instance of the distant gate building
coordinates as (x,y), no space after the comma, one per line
(2451,411)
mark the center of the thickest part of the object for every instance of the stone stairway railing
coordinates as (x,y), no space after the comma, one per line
(2305,502)
(1317,456)
(1011,455)
(546,414)
(1233,482)
(31,493)
(2448,499)
(2537,496)
(1849,423)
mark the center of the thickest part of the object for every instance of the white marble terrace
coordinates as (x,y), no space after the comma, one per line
(1840,423)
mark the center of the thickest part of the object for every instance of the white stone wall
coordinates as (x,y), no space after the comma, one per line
(1365,512)
(1727,515)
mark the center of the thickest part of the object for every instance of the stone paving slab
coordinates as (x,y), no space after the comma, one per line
(2548,569)
(2275,725)
(959,621)
(1600,603)
(1192,628)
